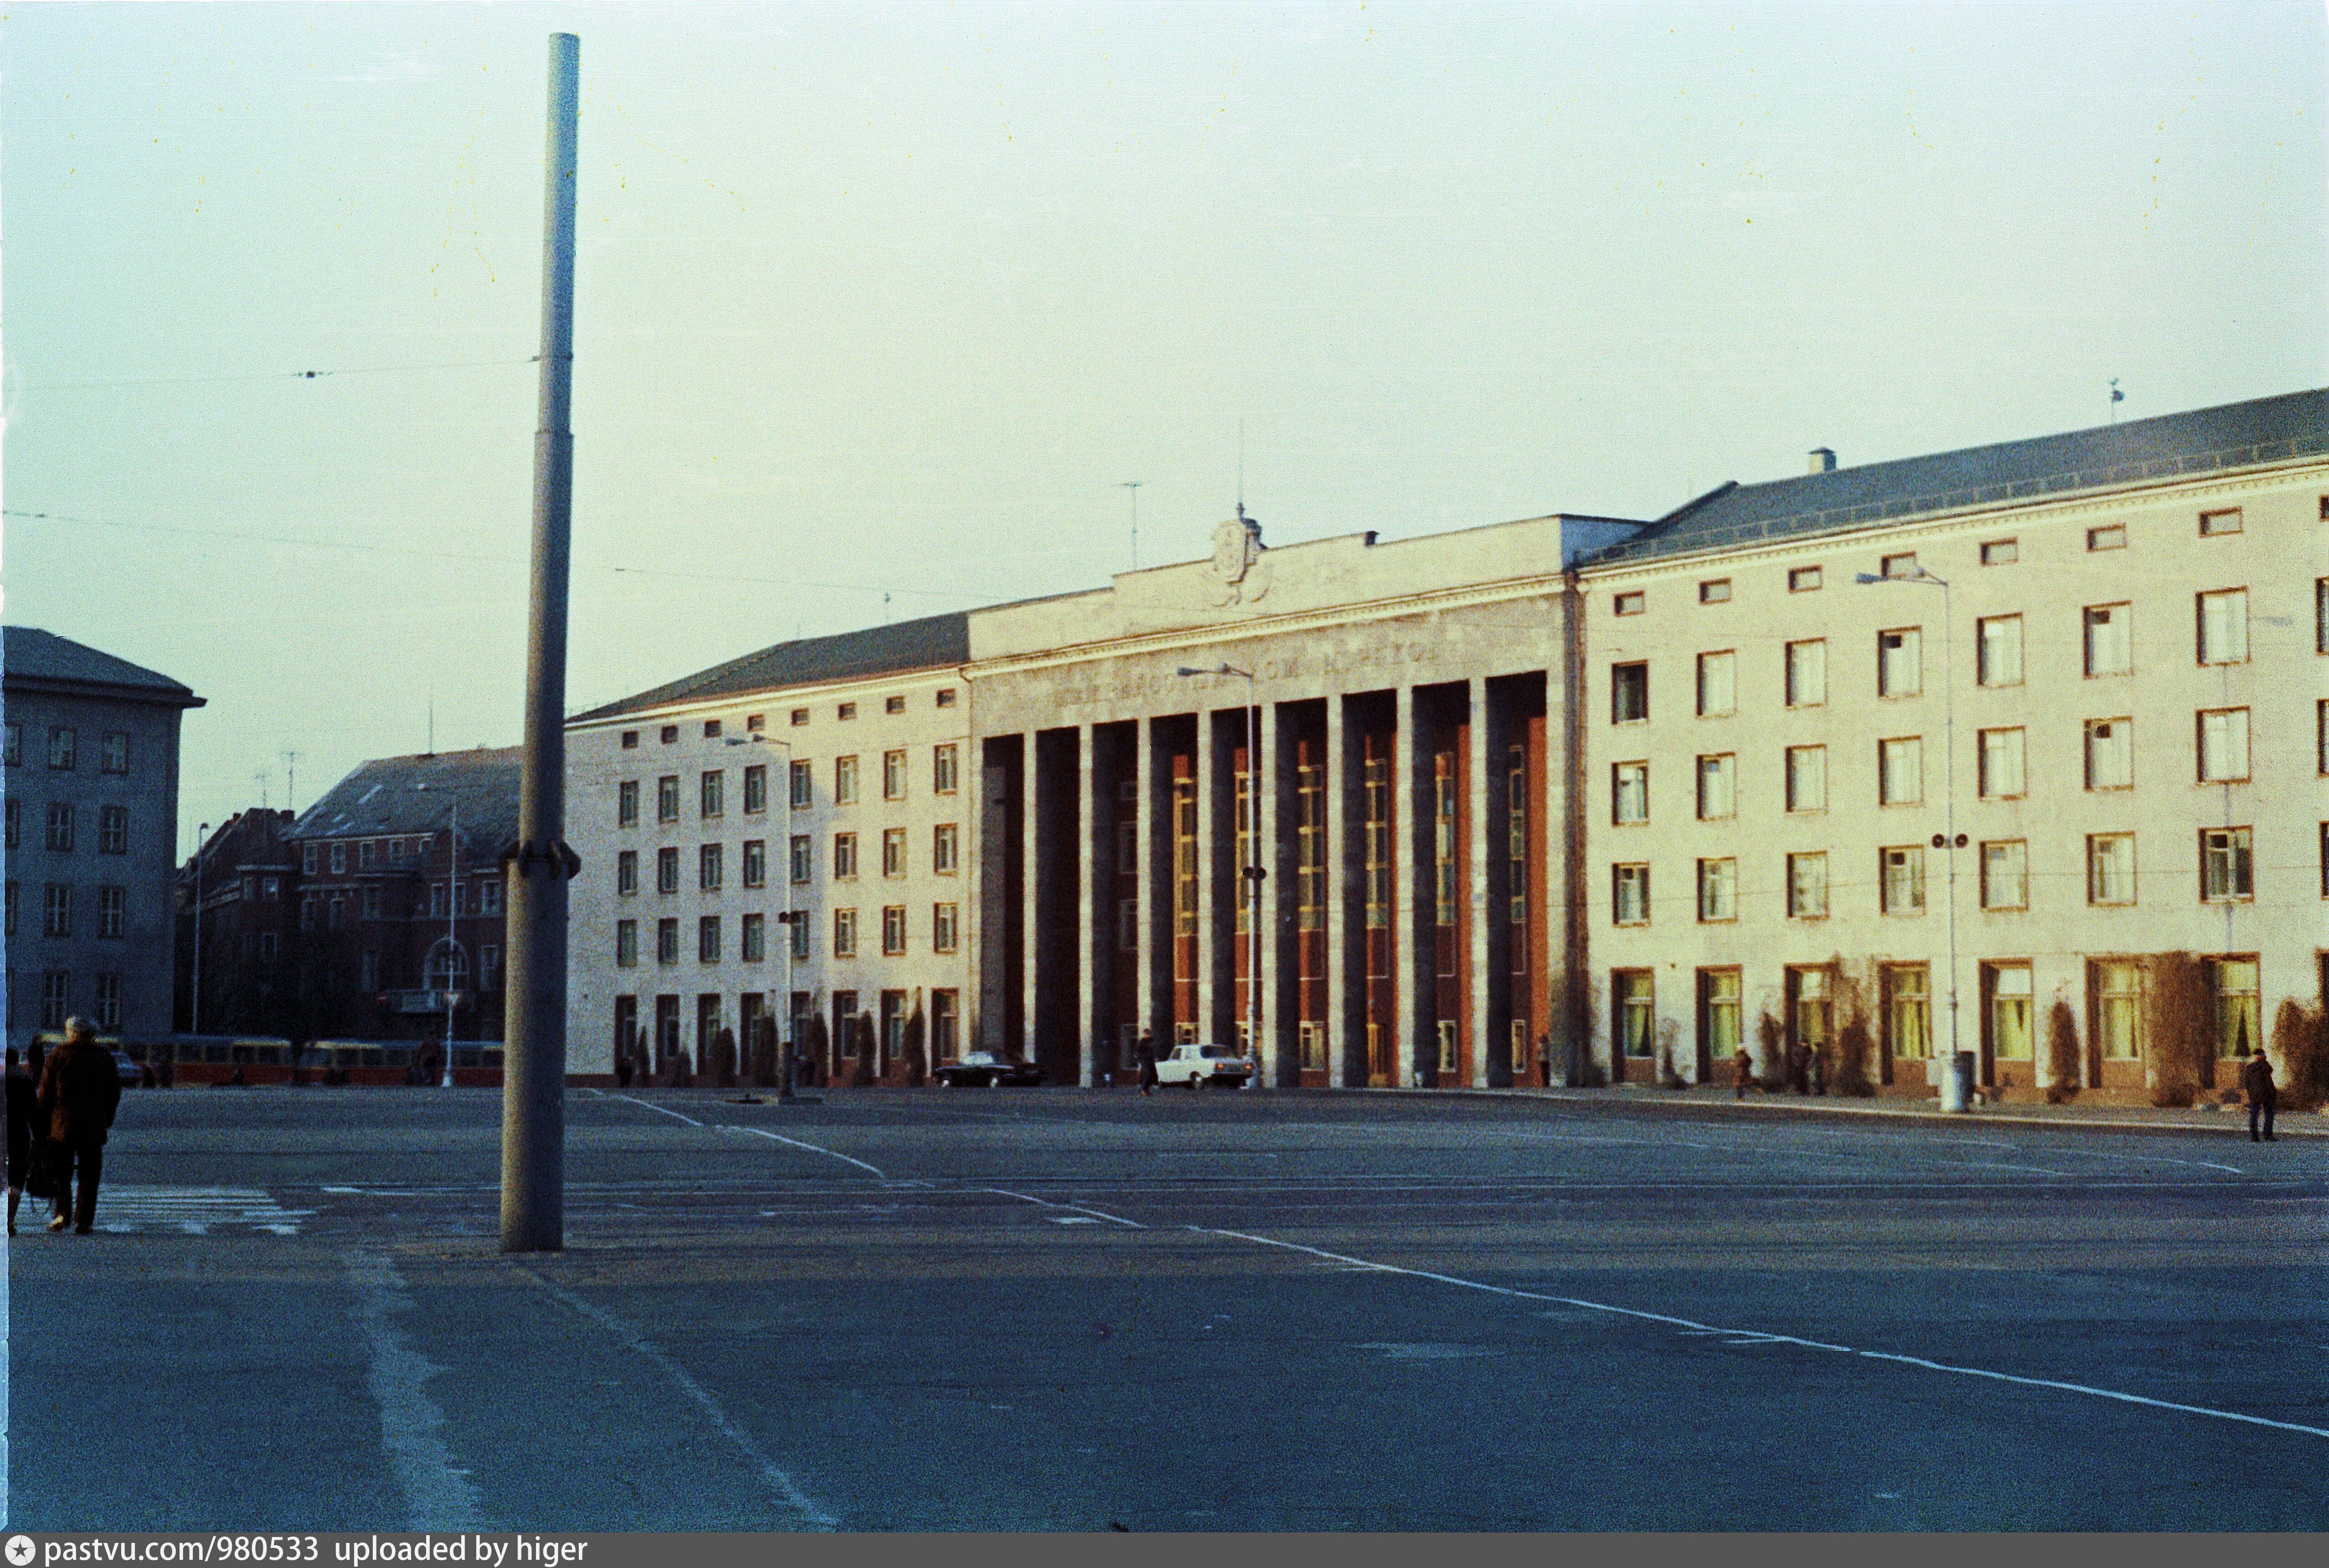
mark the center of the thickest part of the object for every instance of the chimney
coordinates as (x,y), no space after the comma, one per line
(1823,460)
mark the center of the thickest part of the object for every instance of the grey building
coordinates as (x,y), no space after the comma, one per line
(91,790)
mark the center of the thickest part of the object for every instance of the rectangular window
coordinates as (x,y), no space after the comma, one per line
(893,775)
(2110,535)
(1901,771)
(2223,627)
(2110,754)
(307,860)
(16,743)
(108,1001)
(668,870)
(112,911)
(942,770)
(15,821)
(845,856)
(844,934)
(2000,654)
(945,841)
(1807,886)
(1627,604)
(60,747)
(1128,926)
(2001,771)
(1629,693)
(753,939)
(1903,884)
(1443,845)
(894,705)
(1803,579)
(1377,805)
(845,711)
(894,851)
(1807,778)
(1128,848)
(2000,552)
(755,869)
(1907,1010)
(2319,727)
(711,729)
(60,827)
(1630,894)
(1629,792)
(1807,673)
(756,790)
(270,889)
(800,858)
(2321,615)
(2237,1005)
(797,931)
(946,700)
(712,795)
(943,929)
(627,803)
(2227,868)
(339,859)
(626,943)
(1900,662)
(56,987)
(1899,566)
(667,940)
(1632,990)
(1718,684)
(2005,875)
(844,781)
(2223,744)
(371,901)
(2223,521)
(113,753)
(1516,853)
(1714,591)
(1718,793)
(2111,868)
(1185,855)
(1718,1014)
(2116,988)
(10,928)
(489,967)
(371,849)
(1718,890)
(667,798)
(113,830)
(2109,640)
(630,740)
(798,716)
(708,868)
(707,939)
(804,786)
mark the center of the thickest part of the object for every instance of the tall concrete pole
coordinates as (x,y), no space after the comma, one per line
(533,1055)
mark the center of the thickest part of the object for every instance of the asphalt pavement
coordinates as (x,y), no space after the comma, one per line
(1062,1309)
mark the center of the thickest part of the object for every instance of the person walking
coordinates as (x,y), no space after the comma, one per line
(24,1099)
(2264,1095)
(80,1090)
(1144,1054)
(1742,1073)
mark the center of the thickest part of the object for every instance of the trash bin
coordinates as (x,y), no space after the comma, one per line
(1963,1069)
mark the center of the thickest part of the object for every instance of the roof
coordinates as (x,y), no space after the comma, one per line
(930,642)
(416,795)
(2201,441)
(33,659)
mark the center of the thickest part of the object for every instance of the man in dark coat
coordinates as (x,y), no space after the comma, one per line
(80,1090)
(1145,1056)
(2264,1095)
(24,1099)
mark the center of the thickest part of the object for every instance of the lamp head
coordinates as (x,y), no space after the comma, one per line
(1867,578)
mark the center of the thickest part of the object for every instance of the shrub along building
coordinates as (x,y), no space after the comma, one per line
(1396,811)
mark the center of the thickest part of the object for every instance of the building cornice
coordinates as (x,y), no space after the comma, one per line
(725,702)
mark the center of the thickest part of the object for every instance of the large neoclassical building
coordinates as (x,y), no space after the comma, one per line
(1928,745)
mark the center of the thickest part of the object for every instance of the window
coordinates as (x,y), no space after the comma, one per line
(798,716)
(2111,868)
(894,705)
(1718,890)
(943,928)
(1184,849)
(2114,986)
(1807,673)
(2239,1014)
(436,901)
(1630,792)
(667,798)
(1901,771)
(60,827)
(1718,1014)
(2226,868)
(752,941)
(1899,566)
(307,860)
(845,856)
(1811,1008)
(756,790)
(2000,552)
(370,850)
(1714,591)
(946,700)
(1516,854)
(894,851)
(1443,849)
(1627,604)
(2320,727)
(845,711)
(755,869)
(2110,754)
(56,909)
(893,774)
(112,911)
(712,793)
(711,730)
(668,734)
(113,752)
(2321,615)
(942,769)
(708,868)
(2001,764)
(2005,875)
(707,939)
(489,897)
(1718,684)
(1999,656)
(339,859)
(371,900)
(800,858)
(1899,661)
(668,870)
(1634,997)
(943,840)
(56,985)
(1807,778)
(10,927)
(804,786)
(1128,926)
(113,830)
(844,934)
(1803,579)
(754,723)
(1903,886)
(60,747)
(2110,535)
(1807,886)
(1907,1010)
(2224,626)
(2110,640)
(16,743)
(1629,693)
(489,967)
(796,930)
(15,814)
(627,803)
(2213,523)
(2223,744)
(1630,894)
(108,1001)
(844,781)
(270,889)
(630,740)
(1717,786)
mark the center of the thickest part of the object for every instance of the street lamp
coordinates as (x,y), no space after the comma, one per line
(194,1006)
(1252,870)
(785,917)
(452,925)
(1953,1096)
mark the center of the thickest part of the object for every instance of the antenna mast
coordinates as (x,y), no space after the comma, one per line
(1134,485)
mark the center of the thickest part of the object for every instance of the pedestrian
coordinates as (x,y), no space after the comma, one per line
(1742,1070)
(1145,1054)
(623,1067)
(23,1099)
(1799,1068)
(2264,1095)
(1819,1071)
(80,1090)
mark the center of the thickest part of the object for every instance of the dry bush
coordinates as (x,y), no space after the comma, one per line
(2061,1054)
(2300,1039)
(1772,1036)
(1854,1050)
(2177,1013)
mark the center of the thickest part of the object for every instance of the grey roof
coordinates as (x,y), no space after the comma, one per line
(414,794)
(930,643)
(31,657)
(2201,441)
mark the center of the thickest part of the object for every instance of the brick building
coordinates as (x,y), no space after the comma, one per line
(242,952)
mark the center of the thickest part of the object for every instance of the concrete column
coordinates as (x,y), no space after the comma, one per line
(1096,922)
(1274,787)
(1147,1008)
(1031,902)
(1208,926)
(1342,1002)
(1411,960)
(1476,794)
(1565,828)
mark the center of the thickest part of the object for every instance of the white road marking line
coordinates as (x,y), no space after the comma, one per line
(1076,1208)
(2149,1159)
(813,1149)
(193,1210)
(1762,1339)
(440,1493)
(651,1105)
(783,1484)
(1070,1219)
(1999,1165)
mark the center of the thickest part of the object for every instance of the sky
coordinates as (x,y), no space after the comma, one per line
(880,310)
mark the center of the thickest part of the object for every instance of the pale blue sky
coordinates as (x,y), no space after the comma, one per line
(893,298)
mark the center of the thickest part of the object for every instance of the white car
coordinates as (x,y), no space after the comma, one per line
(1195,1066)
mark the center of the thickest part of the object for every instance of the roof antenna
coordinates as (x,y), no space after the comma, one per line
(2117,398)
(291,781)
(1134,485)
(432,723)
(1240,467)
(261,776)
(885,606)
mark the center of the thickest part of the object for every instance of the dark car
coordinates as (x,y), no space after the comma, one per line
(130,1074)
(984,1070)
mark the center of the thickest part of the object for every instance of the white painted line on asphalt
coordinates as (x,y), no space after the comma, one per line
(1073,1208)
(2151,1159)
(815,1517)
(440,1492)
(651,1105)
(1757,1336)
(1999,1165)
(813,1149)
